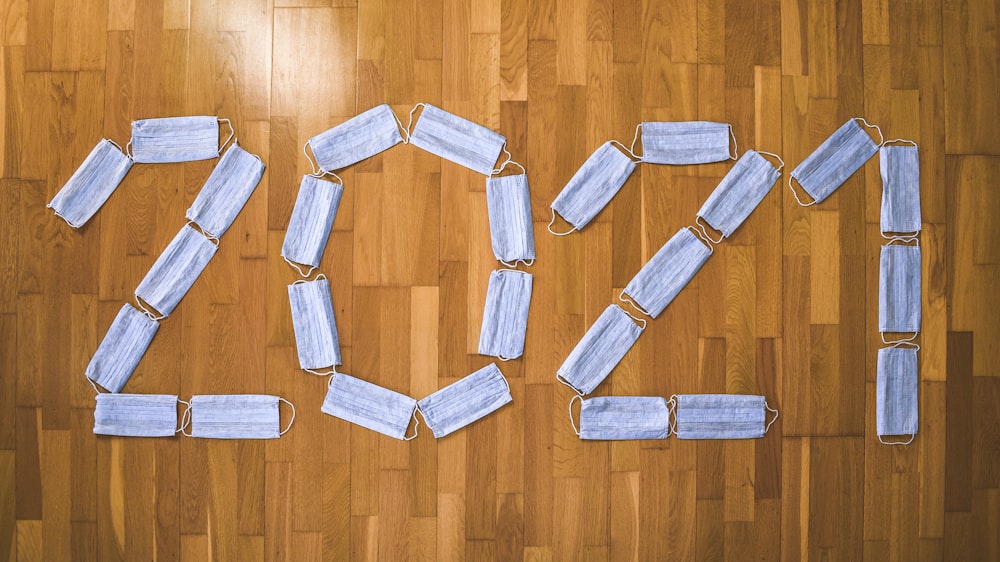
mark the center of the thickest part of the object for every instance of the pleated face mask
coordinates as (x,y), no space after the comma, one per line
(505,317)
(136,415)
(686,142)
(465,401)
(592,186)
(896,400)
(739,193)
(829,166)
(509,206)
(667,272)
(619,418)
(457,139)
(356,139)
(369,405)
(721,416)
(600,350)
(177,268)
(899,289)
(314,323)
(226,191)
(91,184)
(236,416)
(900,168)
(122,348)
(312,219)
(176,139)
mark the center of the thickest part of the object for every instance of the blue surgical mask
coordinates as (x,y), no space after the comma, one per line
(669,270)
(829,166)
(136,415)
(600,350)
(370,405)
(592,187)
(236,416)
(685,142)
(315,324)
(509,206)
(122,348)
(896,387)
(900,169)
(505,316)
(721,416)
(465,401)
(226,191)
(899,289)
(739,193)
(456,139)
(176,270)
(312,219)
(618,418)
(91,184)
(356,139)
(176,139)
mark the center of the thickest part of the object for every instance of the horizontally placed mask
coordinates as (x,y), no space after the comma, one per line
(685,142)
(896,400)
(900,169)
(312,219)
(91,184)
(457,139)
(829,166)
(356,139)
(720,416)
(236,416)
(177,268)
(619,418)
(592,187)
(505,316)
(226,191)
(136,415)
(314,323)
(122,348)
(465,401)
(600,350)
(176,139)
(739,193)
(899,289)
(509,206)
(667,272)
(370,405)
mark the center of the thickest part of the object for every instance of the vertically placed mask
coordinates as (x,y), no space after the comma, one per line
(900,169)
(122,348)
(369,405)
(177,268)
(314,323)
(236,416)
(616,418)
(312,219)
(667,272)
(829,166)
(899,289)
(176,139)
(505,317)
(686,142)
(721,416)
(356,139)
(592,186)
(136,415)
(465,401)
(226,191)
(509,206)
(91,184)
(457,139)
(739,193)
(600,350)
(896,400)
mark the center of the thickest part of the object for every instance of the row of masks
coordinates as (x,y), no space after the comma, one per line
(505,317)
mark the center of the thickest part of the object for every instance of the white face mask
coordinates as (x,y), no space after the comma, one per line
(122,348)
(136,415)
(900,169)
(685,142)
(509,206)
(176,139)
(312,219)
(619,418)
(592,187)
(896,399)
(600,350)
(177,268)
(721,416)
(739,193)
(899,289)
(505,316)
(465,401)
(457,139)
(369,405)
(226,191)
(314,323)
(829,166)
(667,272)
(236,416)
(91,184)
(356,139)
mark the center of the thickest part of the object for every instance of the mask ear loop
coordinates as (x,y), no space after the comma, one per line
(567,383)
(672,413)
(628,300)
(185,417)
(509,160)
(904,340)
(332,371)
(912,437)
(902,239)
(512,266)
(905,345)
(409,124)
(312,165)
(736,147)
(770,409)
(403,132)
(146,311)
(211,237)
(782,166)
(703,237)
(96,390)
(881,139)
(116,145)
(796,195)
(635,137)
(291,421)
(627,151)
(232,133)
(704,230)
(128,150)
(904,141)
(416,424)
(640,321)
(551,222)
(297,268)
(570,408)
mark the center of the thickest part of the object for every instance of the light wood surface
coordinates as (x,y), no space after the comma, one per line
(786,308)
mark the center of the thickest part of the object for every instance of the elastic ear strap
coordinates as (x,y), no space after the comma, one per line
(704,237)
(908,344)
(145,310)
(912,437)
(291,421)
(505,162)
(402,130)
(769,409)
(504,379)
(567,383)
(96,390)
(776,156)
(736,147)
(551,222)
(629,301)
(881,139)
(409,124)
(796,195)
(902,239)
(626,150)
(899,341)
(416,425)
(570,408)
(232,133)
(211,237)
(513,266)
(704,230)
(635,137)
(297,268)
(186,419)
(116,145)
(312,165)
(318,277)
(128,149)
(672,413)
(904,141)
(332,371)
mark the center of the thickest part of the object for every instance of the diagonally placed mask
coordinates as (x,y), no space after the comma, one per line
(356,139)
(618,418)
(900,169)
(226,191)
(136,415)
(122,348)
(509,206)
(721,416)
(685,142)
(465,401)
(314,323)
(896,400)
(829,166)
(312,219)
(457,139)
(176,139)
(91,184)
(600,350)
(739,193)
(370,405)
(236,416)
(592,187)
(505,317)
(177,268)
(899,289)
(669,270)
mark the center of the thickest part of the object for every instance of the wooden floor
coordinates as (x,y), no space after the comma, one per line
(786,308)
